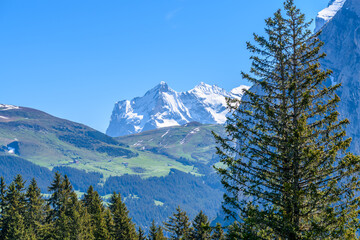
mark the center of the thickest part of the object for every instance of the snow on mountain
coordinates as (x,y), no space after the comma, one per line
(5,107)
(328,13)
(164,107)
(239,91)
(341,37)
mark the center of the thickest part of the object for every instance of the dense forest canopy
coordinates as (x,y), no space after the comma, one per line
(26,214)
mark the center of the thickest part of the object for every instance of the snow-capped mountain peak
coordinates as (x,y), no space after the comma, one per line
(325,15)
(163,107)
(161,87)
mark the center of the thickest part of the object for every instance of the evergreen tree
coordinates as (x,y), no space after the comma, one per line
(2,193)
(156,233)
(235,232)
(59,195)
(34,210)
(153,231)
(160,234)
(46,230)
(79,220)
(58,203)
(2,202)
(95,208)
(13,214)
(67,217)
(178,225)
(124,228)
(141,234)
(109,223)
(218,233)
(201,227)
(288,173)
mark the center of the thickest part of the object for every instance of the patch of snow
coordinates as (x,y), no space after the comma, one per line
(5,107)
(195,130)
(161,123)
(165,133)
(219,117)
(174,105)
(239,91)
(325,15)
(137,128)
(11,150)
(138,143)
(331,10)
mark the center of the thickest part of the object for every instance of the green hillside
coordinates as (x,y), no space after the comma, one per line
(50,142)
(155,171)
(193,142)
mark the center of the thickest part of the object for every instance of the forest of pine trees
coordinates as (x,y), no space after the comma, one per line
(26,214)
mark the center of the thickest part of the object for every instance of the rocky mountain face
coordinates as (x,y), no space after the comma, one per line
(341,36)
(325,15)
(164,107)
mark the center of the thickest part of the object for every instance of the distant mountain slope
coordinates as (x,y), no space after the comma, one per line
(193,141)
(164,107)
(50,142)
(341,36)
(325,15)
(153,181)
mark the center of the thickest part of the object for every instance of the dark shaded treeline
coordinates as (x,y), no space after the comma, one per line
(177,188)
(25,214)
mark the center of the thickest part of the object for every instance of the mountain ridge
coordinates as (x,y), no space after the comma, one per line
(325,15)
(164,107)
(51,142)
(152,180)
(341,37)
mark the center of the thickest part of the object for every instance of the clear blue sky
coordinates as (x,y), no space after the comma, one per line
(75,58)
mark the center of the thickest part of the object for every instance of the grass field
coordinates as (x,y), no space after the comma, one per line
(193,142)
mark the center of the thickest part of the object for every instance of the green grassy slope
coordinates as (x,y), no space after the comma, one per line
(49,142)
(193,142)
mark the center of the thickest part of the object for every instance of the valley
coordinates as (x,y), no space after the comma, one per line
(153,170)
(159,151)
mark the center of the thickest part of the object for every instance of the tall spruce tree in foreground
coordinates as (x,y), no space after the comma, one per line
(288,174)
